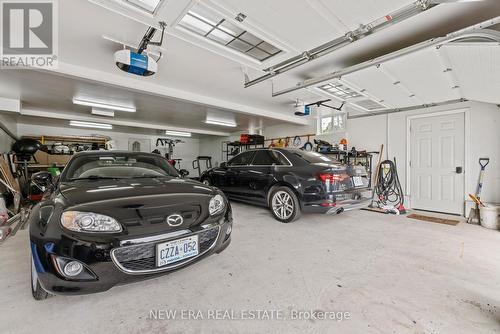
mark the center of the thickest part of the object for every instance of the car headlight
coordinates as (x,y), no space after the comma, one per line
(216,205)
(89,222)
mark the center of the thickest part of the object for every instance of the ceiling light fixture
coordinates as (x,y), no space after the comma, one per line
(91,125)
(178,133)
(102,112)
(221,123)
(103,105)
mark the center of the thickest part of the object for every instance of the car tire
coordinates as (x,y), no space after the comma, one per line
(206,181)
(36,289)
(284,205)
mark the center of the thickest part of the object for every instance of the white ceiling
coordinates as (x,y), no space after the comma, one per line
(49,93)
(477,69)
(194,75)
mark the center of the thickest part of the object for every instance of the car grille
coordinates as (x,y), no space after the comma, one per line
(141,258)
(189,216)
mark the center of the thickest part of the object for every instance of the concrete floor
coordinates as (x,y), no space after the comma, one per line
(391,273)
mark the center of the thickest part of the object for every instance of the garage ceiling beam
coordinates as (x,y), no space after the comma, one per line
(397,16)
(121,81)
(478,30)
(411,108)
(131,123)
(11,105)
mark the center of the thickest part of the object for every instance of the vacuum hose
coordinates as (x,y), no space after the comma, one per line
(388,188)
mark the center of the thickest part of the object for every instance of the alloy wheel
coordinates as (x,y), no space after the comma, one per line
(282,205)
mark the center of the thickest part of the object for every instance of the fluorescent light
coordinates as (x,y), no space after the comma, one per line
(103,105)
(221,123)
(91,125)
(102,112)
(178,133)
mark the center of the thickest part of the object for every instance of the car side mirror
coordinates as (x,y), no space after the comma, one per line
(223,165)
(43,178)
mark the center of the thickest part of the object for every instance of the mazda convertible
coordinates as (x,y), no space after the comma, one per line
(116,217)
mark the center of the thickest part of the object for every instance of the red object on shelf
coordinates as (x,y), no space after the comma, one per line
(244,139)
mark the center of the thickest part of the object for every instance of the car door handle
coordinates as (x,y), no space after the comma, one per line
(459,170)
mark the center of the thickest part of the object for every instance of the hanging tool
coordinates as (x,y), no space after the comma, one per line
(474,215)
(379,162)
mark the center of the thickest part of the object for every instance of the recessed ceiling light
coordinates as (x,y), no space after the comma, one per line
(178,133)
(97,104)
(221,123)
(91,125)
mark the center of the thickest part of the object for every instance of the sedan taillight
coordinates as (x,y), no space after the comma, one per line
(330,177)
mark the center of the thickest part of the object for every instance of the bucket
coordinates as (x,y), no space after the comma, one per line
(489,216)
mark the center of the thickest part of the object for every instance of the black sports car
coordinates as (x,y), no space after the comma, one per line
(290,181)
(113,217)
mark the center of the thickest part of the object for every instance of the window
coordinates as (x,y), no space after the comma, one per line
(370,105)
(242,159)
(341,91)
(311,157)
(117,165)
(147,5)
(136,146)
(263,158)
(210,25)
(331,124)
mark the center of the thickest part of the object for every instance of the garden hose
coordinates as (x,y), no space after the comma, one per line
(388,188)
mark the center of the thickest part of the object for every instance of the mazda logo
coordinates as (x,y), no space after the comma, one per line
(175,220)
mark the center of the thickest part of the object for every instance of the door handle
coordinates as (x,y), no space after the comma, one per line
(459,170)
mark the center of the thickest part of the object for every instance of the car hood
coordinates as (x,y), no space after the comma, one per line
(88,191)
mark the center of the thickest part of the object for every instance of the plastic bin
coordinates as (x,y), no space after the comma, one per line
(489,216)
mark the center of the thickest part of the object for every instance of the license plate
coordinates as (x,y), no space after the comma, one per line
(357,180)
(176,250)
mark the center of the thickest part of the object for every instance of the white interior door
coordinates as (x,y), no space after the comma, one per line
(437,162)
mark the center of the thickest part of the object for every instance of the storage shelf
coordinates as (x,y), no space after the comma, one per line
(68,139)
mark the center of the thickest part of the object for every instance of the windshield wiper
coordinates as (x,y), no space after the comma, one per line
(150,177)
(95,177)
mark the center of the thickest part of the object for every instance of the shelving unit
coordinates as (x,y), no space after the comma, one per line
(230,149)
(69,139)
(354,158)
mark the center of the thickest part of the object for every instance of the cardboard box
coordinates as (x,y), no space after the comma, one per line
(61,159)
(41,157)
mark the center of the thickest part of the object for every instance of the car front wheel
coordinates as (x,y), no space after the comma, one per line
(284,205)
(36,289)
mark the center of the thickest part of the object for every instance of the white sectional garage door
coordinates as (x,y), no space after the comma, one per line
(436,150)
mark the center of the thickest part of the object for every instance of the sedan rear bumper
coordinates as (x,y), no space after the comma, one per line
(327,205)
(349,205)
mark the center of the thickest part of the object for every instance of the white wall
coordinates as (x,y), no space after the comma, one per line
(370,132)
(6,141)
(483,141)
(212,146)
(187,151)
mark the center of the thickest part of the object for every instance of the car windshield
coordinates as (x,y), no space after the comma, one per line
(117,166)
(311,157)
